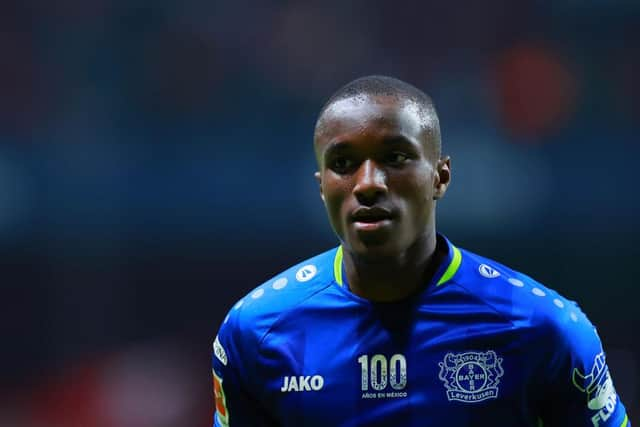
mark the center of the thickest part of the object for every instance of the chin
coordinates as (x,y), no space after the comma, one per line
(375,250)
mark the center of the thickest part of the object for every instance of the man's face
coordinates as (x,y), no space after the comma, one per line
(379,175)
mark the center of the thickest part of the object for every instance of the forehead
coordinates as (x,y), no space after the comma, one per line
(371,115)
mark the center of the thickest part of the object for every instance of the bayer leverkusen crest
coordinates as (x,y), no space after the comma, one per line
(471,376)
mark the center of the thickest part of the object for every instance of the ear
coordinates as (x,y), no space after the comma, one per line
(442,177)
(319,179)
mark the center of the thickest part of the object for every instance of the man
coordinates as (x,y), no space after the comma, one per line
(397,326)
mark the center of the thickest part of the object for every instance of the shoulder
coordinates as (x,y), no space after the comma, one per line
(255,313)
(554,327)
(520,298)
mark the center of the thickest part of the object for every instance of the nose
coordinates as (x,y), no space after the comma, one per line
(371,183)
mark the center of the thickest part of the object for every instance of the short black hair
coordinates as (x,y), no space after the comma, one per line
(377,85)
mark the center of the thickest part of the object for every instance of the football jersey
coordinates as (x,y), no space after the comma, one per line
(481,345)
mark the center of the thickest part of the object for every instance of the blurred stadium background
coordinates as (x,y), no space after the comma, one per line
(156,164)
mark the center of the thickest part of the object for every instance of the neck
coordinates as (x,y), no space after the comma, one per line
(394,278)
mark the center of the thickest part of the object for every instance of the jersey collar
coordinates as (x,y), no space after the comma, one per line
(445,272)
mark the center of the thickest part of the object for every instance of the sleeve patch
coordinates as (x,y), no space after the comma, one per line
(597,385)
(218,350)
(222,413)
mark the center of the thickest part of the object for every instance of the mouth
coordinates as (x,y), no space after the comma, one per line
(371,218)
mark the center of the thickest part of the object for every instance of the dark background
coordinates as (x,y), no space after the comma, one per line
(156,164)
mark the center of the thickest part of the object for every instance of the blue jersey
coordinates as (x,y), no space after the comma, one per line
(481,345)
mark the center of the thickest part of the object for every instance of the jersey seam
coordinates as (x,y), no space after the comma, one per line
(281,315)
(495,310)
(481,300)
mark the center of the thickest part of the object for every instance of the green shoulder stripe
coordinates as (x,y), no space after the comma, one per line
(625,421)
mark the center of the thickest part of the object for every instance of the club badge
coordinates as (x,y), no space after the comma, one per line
(472,376)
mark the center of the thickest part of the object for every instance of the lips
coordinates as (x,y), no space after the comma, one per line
(371,218)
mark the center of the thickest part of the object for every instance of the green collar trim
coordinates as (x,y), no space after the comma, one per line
(337,266)
(452,268)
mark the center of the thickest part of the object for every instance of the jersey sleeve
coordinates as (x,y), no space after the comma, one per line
(235,385)
(581,390)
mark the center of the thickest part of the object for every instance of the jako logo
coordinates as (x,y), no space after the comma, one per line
(302,383)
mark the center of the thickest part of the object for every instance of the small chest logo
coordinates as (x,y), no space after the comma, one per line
(471,376)
(302,383)
(306,273)
(488,272)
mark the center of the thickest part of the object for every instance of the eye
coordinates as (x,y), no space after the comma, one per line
(398,158)
(341,164)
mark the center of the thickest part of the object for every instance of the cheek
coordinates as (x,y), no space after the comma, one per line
(415,187)
(417,192)
(334,202)
(334,195)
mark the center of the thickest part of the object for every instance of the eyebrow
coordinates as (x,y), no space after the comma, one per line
(336,146)
(341,145)
(398,140)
